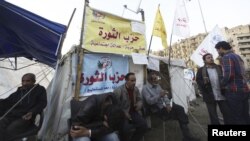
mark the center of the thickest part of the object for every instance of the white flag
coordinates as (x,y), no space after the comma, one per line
(181,21)
(208,46)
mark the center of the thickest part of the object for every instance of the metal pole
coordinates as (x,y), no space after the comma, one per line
(138,8)
(59,54)
(150,44)
(202,16)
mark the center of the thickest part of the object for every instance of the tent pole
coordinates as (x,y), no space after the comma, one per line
(80,56)
(59,54)
(79,73)
(203,20)
(144,66)
(149,47)
(15,63)
(169,58)
(86,3)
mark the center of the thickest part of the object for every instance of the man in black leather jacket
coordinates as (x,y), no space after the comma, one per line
(97,119)
(208,79)
(18,119)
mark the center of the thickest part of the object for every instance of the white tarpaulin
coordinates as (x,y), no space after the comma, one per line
(182,89)
(208,46)
(11,79)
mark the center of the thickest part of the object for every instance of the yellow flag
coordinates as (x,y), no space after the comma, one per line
(159,28)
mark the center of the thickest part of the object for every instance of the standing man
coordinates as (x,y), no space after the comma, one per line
(129,98)
(234,83)
(34,100)
(157,101)
(208,79)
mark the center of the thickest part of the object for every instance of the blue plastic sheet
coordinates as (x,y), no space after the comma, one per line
(25,34)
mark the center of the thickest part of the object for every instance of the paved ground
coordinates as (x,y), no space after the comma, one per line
(198,118)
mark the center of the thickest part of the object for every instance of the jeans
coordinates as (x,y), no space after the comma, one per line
(109,137)
(135,129)
(238,104)
(212,111)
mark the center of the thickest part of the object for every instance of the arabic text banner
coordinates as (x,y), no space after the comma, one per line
(107,33)
(102,73)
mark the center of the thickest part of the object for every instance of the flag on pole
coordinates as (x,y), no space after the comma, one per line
(208,46)
(159,28)
(181,20)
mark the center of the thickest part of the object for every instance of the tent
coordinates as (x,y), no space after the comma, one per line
(25,34)
(61,91)
(93,65)
(11,79)
(182,89)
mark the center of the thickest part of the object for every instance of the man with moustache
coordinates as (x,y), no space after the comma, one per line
(129,98)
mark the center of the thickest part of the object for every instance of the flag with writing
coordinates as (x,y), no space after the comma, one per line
(208,46)
(181,20)
(159,28)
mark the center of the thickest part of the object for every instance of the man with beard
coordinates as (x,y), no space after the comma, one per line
(29,100)
(208,79)
(158,101)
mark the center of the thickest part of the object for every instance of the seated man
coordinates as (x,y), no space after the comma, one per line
(30,98)
(158,102)
(130,100)
(97,119)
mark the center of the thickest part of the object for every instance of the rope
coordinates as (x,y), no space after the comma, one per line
(37,74)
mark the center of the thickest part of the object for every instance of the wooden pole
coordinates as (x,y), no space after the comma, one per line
(80,56)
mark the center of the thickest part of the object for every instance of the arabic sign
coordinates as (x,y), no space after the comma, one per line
(102,73)
(111,34)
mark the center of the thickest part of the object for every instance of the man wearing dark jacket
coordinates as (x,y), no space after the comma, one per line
(30,99)
(208,79)
(97,119)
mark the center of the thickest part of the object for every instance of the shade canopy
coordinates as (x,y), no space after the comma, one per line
(25,34)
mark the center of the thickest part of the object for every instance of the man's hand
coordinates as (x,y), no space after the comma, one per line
(168,108)
(137,107)
(105,123)
(128,116)
(163,93)
(79,131)
(27,116)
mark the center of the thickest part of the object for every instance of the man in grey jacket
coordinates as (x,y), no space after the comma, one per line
(157,102)
(129,98)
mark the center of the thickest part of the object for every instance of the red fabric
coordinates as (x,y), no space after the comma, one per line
(131,98)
